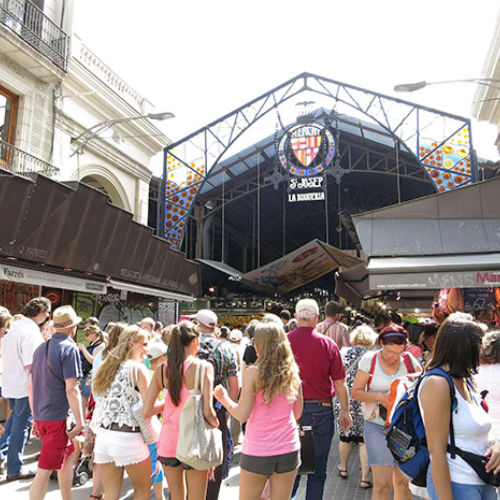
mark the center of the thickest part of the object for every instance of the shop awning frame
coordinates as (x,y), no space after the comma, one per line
(145,290)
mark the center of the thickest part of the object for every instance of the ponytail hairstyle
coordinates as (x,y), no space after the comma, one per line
(181,336)
(107,371)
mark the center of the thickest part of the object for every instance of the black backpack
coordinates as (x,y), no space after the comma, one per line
(206,351)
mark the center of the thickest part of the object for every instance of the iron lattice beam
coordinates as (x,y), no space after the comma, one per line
(440,142)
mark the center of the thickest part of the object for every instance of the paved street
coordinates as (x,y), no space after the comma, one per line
(335,488)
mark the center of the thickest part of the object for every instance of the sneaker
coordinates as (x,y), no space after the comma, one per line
(22,475)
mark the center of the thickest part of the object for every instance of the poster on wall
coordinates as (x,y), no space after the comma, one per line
(14,296)
(130,308)
(167,313)
(84,304)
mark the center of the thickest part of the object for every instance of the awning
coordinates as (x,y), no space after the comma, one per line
(50,279)
(443,271)
(352,284)
(462,221)
(232,273)
(145,290)
(73,225)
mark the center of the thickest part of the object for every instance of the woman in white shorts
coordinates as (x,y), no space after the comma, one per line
(119,444)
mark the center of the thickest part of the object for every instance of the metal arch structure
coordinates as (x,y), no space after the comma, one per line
(440,142)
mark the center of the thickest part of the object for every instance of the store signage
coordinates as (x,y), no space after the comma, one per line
(435,280)
(306,149)
(479,299)
(306,189)
(303,265)
(53,280)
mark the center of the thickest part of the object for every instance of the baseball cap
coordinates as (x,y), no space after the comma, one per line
(206,317)
(156,348)
(235,335)
(306,309)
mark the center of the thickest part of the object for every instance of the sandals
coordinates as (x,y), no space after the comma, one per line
(97,497)
(342,473)
(365,484)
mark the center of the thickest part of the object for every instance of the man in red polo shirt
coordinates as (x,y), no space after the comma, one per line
(323,376)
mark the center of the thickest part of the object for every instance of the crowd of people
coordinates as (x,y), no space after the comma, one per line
(119,399)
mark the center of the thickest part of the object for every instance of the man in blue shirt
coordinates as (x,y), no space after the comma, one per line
(53,391)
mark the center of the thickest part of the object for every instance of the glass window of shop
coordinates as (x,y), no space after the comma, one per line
(8,111)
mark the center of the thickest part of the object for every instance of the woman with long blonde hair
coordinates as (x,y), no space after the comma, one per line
(119,444)
(178,376)
(271,404)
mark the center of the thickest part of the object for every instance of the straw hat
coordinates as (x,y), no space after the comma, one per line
(65,317)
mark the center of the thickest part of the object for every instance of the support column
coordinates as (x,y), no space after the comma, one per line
(198,213)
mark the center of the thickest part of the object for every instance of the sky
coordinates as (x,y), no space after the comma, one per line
(201,59)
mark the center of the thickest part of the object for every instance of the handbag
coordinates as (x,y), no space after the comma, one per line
(150,427)
(478,463)
(306,450)
(198,444)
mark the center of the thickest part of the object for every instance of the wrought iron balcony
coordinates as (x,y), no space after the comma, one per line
(18,161)
(35,28)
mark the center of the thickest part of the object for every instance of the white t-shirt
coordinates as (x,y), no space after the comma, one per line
(18,346)
(381,381)
(488,378)
(471,427)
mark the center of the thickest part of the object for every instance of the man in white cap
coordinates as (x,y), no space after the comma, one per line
(18,346)
(53,391)
(323,376)
(225,373)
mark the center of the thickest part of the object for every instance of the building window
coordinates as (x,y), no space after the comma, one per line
(8,112)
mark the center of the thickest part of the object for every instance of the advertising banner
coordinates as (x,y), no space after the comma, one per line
(307,263)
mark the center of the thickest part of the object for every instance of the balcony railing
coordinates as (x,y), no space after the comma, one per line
(35,28)
(18,161)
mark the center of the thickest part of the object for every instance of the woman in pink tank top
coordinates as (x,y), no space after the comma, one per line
(271,403)
(177,376)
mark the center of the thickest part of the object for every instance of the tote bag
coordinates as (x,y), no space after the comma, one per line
(198,445)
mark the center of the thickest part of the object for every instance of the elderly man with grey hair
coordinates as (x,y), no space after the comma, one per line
(323,377)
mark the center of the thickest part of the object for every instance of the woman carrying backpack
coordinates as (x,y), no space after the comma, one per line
(457,352)
(271,402)
(376,372)
(177,375)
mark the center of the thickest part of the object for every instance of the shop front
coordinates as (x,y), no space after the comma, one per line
(447,245)
(67,242)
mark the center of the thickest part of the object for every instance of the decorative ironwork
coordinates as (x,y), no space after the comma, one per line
(35,28)
(18,161)
(440,142)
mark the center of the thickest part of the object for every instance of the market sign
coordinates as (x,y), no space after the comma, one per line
(306,189)
(434,280)
(306,149)
(53,280)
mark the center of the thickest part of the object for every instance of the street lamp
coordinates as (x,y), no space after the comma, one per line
(88,134)
(412,87)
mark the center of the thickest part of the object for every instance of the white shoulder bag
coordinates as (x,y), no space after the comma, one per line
(198,444)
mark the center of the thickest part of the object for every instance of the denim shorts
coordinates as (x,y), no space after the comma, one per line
(464,491)
(376,445)
(269,465)
(85,386)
